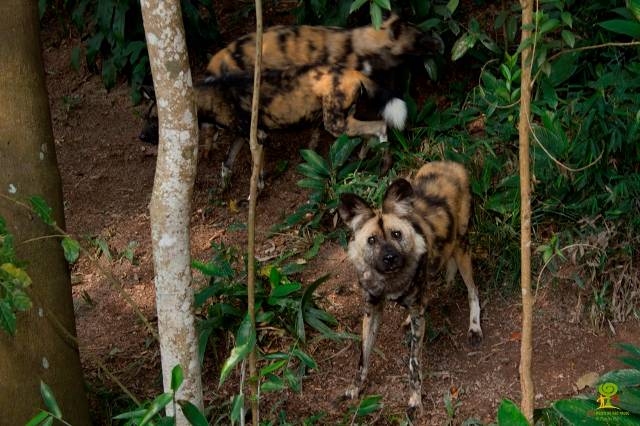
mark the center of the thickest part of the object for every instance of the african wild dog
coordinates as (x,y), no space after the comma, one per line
(398,249)
(290,97)
(363,49)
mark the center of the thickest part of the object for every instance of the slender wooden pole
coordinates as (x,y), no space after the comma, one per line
(526,381)
(256,156)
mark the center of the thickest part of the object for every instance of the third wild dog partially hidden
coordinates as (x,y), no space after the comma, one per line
(290,97)
(420,229)
(363,49)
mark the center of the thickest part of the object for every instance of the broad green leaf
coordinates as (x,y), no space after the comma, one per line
(549,25)
(37,419)
(275,277)
(634,8)
(460,47)
(630,28)
(71,249)
(341,150)
(245,341)
(292,380)
(284,290)
(236,408)
(177,377)
(432,68)
(312,183)
(193,414)
(311,171)
(42,209)
(575,411)
(632,349)
(203,340)
(318,240)
(623,378)
(104,248)
(21,300)
(567,19)
(384,4)
(7,318)
(213,270)
(50,400)
(156,406)
(452,5)
(631,362)
(509,415)
(130,415)
(568,38)
(305,358)
(273,383)
(368,405)
(274,366)
(357,4)
(429,24)
(376,15)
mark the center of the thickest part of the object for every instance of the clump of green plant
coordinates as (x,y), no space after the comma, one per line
(284,310)
(14,282)
(113,38)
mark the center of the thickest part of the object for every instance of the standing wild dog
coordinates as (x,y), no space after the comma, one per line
(363,49)
(397,250)
(290,97)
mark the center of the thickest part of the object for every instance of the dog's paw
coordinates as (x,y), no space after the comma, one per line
(414,408)
(352,392)
(475,337)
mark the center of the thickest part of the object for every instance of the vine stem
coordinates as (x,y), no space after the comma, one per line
(257,157)
(526,346)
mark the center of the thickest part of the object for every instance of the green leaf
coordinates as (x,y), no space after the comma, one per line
(50,400)
(623,378)
(318,240)
(312,183)
(7,318)
(631,362)
(619,26)
(193,414)
(156,406)
(567,19)
(432,68)
(104,248)
(634,8)
(452,6)
(237,406)
(460,47)
(629,399)
(368,405)
(177,377)
(71,249)
(274,366)
(632,349)
(509,415)
(549,25)
(357,4)
(273,383)
(245,341)
(575,411)
(275,277)
(135,414)
(42,209)
(376,15)
(429,24)
(305,359)
(283,290)
(109,73)
(292,380)
(384,4)
(75,58)
(341,150)
(203,340)
(568,38)
(38,419)
(42,8)
(21,301)
(312,172)
(18,274)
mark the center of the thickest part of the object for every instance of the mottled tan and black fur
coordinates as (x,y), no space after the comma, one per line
(290,97)
(362,49)
(398,249)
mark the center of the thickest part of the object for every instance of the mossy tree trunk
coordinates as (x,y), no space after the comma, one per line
(170,206)
(28,166)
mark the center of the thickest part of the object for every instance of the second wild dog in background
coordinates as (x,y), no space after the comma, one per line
(397,251)
(289,97)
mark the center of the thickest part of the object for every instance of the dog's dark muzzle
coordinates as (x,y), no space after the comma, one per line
(390,260)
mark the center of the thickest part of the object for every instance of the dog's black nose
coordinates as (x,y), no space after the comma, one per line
(390,259)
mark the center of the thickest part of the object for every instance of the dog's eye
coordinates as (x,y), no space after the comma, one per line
(371,240)
(396,234)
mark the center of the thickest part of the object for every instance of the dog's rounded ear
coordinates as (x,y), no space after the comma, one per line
(354,211)
(390,24)
(399,198)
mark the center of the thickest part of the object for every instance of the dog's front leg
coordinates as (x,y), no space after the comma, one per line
(415,372)
(370,323)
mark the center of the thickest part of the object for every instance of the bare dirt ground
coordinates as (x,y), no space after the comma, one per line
(107,180)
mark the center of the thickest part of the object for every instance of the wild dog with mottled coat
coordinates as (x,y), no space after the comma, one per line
(363,49)
(398,249)
(290,97)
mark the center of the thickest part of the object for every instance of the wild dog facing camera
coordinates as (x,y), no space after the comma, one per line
(399,248)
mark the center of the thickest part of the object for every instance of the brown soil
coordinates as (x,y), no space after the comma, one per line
(107,180)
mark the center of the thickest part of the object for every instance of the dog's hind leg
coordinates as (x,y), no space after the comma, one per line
(370,323)
(418,326)
(227,165)
(463,260)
